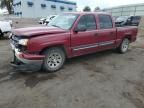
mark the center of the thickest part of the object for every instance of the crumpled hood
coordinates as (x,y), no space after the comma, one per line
(37,31)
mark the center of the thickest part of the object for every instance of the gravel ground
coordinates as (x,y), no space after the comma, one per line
(101,80)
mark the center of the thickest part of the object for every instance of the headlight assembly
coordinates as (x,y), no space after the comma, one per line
(23,42)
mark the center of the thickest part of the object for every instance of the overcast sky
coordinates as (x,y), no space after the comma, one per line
(104,3)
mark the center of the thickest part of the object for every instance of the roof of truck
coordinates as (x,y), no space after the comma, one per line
(83,13)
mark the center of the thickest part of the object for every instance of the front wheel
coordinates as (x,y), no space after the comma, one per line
(123,48)
(1,34)
(54,59)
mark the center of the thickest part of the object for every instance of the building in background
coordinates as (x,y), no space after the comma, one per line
(42,8)
(126,10)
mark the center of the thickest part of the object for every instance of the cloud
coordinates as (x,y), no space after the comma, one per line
(104,3)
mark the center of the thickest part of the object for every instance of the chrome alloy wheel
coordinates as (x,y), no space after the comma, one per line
(125,45)
(54,60)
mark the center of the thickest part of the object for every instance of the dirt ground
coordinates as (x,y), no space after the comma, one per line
(101,80)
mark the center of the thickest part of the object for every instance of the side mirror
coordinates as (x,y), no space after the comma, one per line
(80,29)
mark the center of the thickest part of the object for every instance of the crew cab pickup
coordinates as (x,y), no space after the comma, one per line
(69,35)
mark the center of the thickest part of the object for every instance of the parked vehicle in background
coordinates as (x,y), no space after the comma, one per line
(42,21)
(122,21)
(48,19)
(5,26)
(127,21)
(69,35)
(135,20)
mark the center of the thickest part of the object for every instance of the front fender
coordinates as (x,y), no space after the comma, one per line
(38,44)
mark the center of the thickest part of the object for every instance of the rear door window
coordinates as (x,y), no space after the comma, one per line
(105,22)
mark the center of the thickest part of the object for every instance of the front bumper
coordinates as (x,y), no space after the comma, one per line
(20,56)
(28,58)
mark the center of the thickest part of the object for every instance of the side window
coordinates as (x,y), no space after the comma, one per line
(105,22)
(91,22)
(87,21)
(82,22)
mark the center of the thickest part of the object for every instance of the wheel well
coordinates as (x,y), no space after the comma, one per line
(55,46)
(128,37)
(0,30)
(1,33)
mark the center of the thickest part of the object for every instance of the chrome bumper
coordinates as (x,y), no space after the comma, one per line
(18,56)
(26,61)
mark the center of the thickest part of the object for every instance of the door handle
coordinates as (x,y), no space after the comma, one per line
(96,34)
(111,33)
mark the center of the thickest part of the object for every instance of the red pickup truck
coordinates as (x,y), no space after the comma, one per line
(69,35)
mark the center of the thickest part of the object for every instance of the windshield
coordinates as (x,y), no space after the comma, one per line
(63,21)
(135,18)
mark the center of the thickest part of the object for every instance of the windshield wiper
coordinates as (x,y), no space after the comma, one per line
(56,26)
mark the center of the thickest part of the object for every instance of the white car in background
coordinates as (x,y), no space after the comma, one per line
(49,18)
(5,26)
(45,21)
(42,20)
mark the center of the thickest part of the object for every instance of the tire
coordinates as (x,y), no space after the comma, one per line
(54,59)
(1,34)
(123,48)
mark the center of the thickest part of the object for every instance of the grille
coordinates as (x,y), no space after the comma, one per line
(14,40)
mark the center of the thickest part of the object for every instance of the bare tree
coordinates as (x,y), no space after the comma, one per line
(7,4)
(97,9)
(87,9)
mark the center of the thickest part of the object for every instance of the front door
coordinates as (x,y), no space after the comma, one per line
(84,40)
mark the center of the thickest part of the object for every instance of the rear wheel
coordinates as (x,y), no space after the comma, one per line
(123,48)
(54,60)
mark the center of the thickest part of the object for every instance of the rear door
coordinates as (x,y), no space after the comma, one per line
(84,42)
(106,32)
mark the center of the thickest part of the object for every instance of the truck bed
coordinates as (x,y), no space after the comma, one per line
(129,31)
